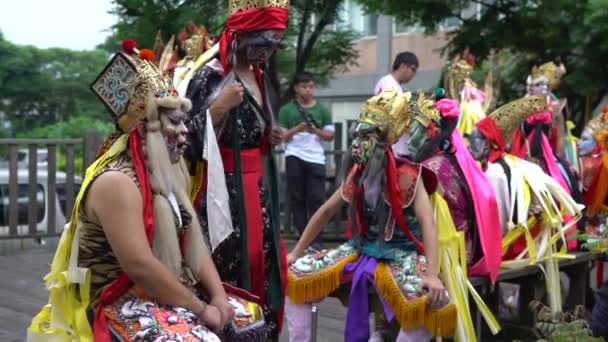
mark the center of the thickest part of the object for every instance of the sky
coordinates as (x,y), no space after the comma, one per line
(72,24)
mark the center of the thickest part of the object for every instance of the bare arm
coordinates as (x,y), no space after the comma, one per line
(210,279)
(115,201)
(430,285)
(424,215)
(320,218)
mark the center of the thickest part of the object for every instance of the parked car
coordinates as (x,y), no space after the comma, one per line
(41,199)
(23,159)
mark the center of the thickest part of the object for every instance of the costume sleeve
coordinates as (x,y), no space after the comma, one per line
(202,85)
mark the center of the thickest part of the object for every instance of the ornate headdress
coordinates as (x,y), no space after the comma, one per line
(552,71)
(459,71)
(598,124)
(235,6)
(251,15)
(197,43)
(128,82)
(395,112)
(510,116)
(500,126)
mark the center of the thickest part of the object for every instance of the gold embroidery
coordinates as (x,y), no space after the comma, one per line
(243,5)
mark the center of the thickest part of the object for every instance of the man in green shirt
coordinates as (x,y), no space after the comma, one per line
(306,124)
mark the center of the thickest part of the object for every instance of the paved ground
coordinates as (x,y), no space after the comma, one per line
(22,294)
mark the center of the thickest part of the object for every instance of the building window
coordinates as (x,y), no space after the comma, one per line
(450,23)
(403,28)
(351,16)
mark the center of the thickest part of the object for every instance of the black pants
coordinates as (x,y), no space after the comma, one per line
(306,188)
(599,316)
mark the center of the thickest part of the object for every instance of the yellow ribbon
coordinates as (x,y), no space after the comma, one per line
(453,270)
(64,318)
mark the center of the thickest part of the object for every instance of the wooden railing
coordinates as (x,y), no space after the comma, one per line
(21,215)
(20,212)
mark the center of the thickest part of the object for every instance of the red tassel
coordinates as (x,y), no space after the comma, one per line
(147,54)
(129,46)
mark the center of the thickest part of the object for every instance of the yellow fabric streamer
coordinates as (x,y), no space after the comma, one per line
(471,112)
(64,318)
(453,270)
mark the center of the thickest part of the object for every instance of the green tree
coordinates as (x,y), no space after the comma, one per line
(142,19)
(529,31)
(45,86)
(312,44)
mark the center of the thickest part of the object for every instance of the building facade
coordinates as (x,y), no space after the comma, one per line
(381,39)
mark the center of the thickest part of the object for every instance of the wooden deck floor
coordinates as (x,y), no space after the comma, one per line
(22,294)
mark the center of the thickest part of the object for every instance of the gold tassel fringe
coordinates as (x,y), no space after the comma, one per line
(317,286)
(412,314)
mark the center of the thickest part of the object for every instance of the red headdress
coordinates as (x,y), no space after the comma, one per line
(253,15)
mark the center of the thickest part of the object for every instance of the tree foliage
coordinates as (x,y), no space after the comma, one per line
(142,19)
(313,45)
(41,87)
(528,31)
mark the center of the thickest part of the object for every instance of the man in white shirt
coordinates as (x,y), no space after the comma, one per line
(404,70)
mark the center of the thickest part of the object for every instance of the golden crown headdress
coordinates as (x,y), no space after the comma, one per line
(197,43)
(511,115)
(128,82)
(458,73)
(395,112)
(599,123)
(552,71)
(235,6)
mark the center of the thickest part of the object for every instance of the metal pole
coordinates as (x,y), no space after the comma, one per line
(313,328)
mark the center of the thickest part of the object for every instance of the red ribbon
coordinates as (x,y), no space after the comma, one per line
(121,285)
(265,18)
(487,126)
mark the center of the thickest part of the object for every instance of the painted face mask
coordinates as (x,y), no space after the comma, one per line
(478,145)
(260,45)
(418,136)
(586,144)
(174,132)
(365,143)
(538,86)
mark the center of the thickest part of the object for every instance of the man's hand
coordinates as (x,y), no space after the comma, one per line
(434,290)
(229,97)
(276,135)
(212,318)
(226,310)
(291,257)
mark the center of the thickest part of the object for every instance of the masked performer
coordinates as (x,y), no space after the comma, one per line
(541,137)
(229,98)
(132,262)
(459,85)
(530,202)
(390,220)
(469,195)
